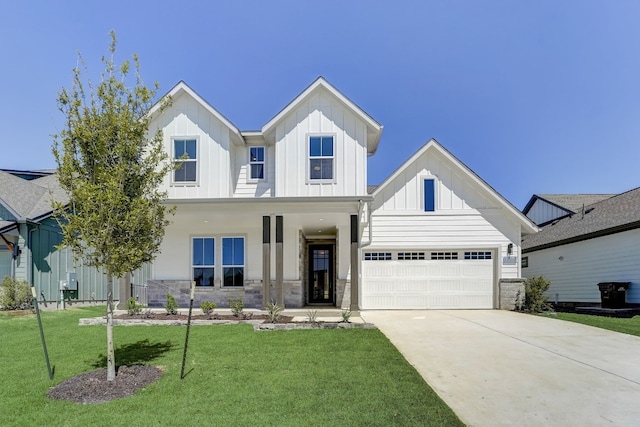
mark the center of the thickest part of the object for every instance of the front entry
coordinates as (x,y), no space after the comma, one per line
(321,274)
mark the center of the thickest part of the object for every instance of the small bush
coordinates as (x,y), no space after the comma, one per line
(346,315)
(171,306)
(15,294)
(207,307)
(312,316)
(132,306)
(236,306)
(273,311)
(535,301)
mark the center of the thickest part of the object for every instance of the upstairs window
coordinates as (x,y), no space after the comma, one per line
(429,195)
(321,157)
(233,261)
(203,260)
(256,162)
(187,172)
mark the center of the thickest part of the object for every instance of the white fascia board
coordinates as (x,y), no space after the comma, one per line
(374,129)
(527,225)
(275,200)
(182,87)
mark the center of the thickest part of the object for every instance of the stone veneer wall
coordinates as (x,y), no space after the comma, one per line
(250,293)
(511,293)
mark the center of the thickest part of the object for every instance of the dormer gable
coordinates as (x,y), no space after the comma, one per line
(374,129)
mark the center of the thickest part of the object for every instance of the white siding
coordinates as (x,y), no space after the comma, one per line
(465,216)
(188,118)
(542,212)
(612,258)
(244,186)
(321,114)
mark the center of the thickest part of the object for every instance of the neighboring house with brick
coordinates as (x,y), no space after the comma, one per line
(29,236)
(599,242)
(284,213)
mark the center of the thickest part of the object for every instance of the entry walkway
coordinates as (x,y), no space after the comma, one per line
(499,368)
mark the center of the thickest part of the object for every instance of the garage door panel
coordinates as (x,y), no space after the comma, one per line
(420,284)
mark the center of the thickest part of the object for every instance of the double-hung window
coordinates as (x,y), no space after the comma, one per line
(185,154)
(256,162)
(203,260)
(233,261)
(321,157)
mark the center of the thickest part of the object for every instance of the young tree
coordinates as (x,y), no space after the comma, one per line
(111,168)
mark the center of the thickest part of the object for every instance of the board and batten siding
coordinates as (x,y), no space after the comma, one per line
(188,119)
(244,185)
(575,277)
(464,218)
(542,212)
(321,114)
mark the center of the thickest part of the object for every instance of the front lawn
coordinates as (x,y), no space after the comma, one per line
(626,326)
(235,376)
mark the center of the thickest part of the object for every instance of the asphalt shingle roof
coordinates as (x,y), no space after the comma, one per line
(574,202)
(609,215)
(30,199)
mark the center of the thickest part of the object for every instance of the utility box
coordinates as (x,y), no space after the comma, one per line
(72,281)
(613,294)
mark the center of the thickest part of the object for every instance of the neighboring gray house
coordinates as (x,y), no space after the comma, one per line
(545,208)
(600,243)
(29,236)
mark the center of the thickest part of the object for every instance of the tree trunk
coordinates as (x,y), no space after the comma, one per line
(111,359)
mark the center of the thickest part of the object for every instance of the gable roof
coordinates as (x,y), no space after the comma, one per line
(571,203)
(29,200)
(608,216)
(182,88)
(374,129)
(527,225)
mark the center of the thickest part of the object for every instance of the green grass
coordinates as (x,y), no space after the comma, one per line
(629,326)
(235,376)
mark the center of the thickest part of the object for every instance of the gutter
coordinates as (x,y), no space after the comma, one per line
(370,232)
(593,235)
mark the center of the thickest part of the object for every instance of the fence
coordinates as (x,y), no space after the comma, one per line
(139,292)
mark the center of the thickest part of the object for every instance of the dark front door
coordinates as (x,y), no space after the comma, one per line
(321,274)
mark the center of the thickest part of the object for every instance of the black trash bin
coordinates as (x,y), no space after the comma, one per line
(613,294)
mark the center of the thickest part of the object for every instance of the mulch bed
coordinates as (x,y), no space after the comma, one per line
(93,387)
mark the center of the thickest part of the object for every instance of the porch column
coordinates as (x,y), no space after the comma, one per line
(266,260)
(279,261)
(355,262)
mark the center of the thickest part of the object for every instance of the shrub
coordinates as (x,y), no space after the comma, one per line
(15,294)
(273,311)
(236,306)
(346,314)
(133,307)
(312,316)
(535,301)
(207,307)
(171,306)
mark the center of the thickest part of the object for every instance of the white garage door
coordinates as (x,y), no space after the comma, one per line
(427,279)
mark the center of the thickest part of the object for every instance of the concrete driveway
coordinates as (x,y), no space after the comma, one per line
(499,368)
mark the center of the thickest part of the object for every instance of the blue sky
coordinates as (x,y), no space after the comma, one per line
(534,96)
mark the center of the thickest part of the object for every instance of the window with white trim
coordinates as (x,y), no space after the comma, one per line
(429,195)
(321,156)
(410,256)
(185,153)
(444,255)
(477,255)
(377,256)
(256,163)
(203,260)
(233,261)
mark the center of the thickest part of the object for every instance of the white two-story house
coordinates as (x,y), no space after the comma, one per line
(284,214)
